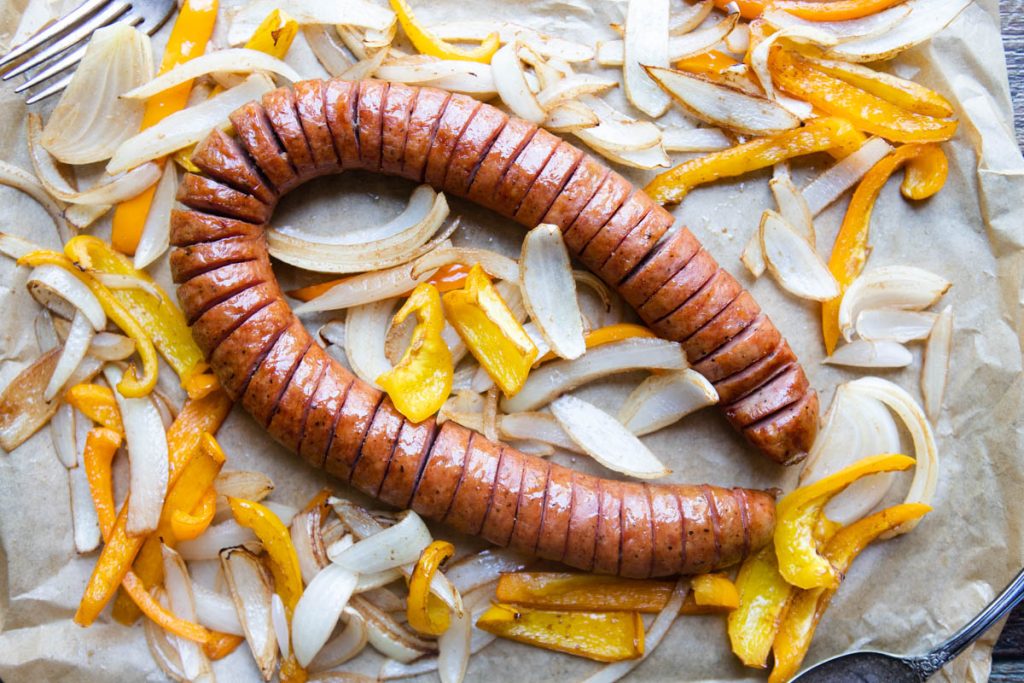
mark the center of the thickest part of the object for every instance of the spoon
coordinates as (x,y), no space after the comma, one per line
(882,667)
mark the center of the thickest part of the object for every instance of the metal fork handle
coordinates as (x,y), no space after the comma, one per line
(928,664)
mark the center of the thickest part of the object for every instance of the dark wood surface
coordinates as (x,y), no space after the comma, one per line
(1008,656)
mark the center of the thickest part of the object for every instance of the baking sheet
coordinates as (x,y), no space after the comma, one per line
(903,595)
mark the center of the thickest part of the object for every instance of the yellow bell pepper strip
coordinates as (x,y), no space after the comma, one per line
(427,617)
(97,403)
(925,173)
(421,381)
(274,37)
(715,590)
(429,44)
(189,35)
(161,318)
(835,10)
(708,63)
(901,92)
(866,111)
(749,9)
(490,330)
(606,335)
(101,445)
(850,249)
(131,386)
(220,645)
(161,616)
(188,525)
(807,606)
(797,514)
(817,135)
(763,595)
(601,636)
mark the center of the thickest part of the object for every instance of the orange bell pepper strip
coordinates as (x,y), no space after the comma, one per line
(161,318)
(101,445)
(427,616)
(866,111)
(715,590)
(189,36)
(806,607)
(160,615)
(797,521)
(97,403)
(188,525)
(707,63)
(818,135)
(749,9)
(490,330)
(925,173)
(834,10)
(901,92)
(850,249)
(763,595)
(220,645)
(601,636)
(607,335)
(131,386)
(429,44)
(421,381)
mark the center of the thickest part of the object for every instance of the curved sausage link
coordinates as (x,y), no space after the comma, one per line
(313,405)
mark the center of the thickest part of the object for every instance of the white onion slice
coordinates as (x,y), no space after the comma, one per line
(861,353)
(844,174)
(216,611)
(606,440)
(533,426)
(147,452)
(552,379)
(63,293)
(92,119)
(246,484)
(346,645)
(493,263)
(798,34)
(569,88)
(905,287)
(690,17)
(156,231)
(617,131)
(925,19)
(231,60)
(194,662)
(75,347)
(454,647)
(81,216)
(227,534)
(753,255)
(793,262)
(25,182)
(646,159)
(367,67)
(893,324)
(566,117)
(121,281)
(547,46)
(326,47)
(279,620)
(662,623)
(611,52)
(793,207)
(351,13)
(549,290)
(389,637)
(661,400)
(926,471)
(186,127)
(84,520)
(680,139)
(935,367)
(474,571)
(842,31)
(249,583)
(158,640)
(366,327)
(645,44)
(395,546)
(738,40)
(512,85)
(307,537)
(369,287)
(63,433)
(470,78)
(723,106)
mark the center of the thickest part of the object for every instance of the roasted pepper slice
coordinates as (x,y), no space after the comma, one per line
(188,525)
(601,636)
(925,173)
(420,383)
(806,607)
(189,35)
(749,9)
(491,332)
(429,44)
(864,110)
(220,645)
(715,590)
(161,318)
(835,10)
(901,92)
(97,403)
(711,62)
(161,616)
(798,514)
(817,135)
(131,386)
(101,445)
(428,616)
(763,594)
(850,250)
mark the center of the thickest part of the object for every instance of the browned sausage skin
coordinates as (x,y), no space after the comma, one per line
(311,404)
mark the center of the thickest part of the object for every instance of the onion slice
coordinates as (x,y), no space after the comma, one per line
(893,324)
(566,117)
(935,367)
(680,139)
(351,13)
(156,231)
(606,440)
(216,611)
(73,351)
(194,662)
(793,207)
(64,294)
(25,182)
(861,353)
(479,569)
(567,89)
(346,645)
(542,427)
(454,647)
(512,85)
(84,520)
(661,400)
(645,45)
(63,432)
(319,609)
(721,105)
(366,328)
(249,583)
(231,60)
(493,263)
(552,379)
(395,546)
(389,637)
(549,290)
(208,546)
(612,52)
(844,174)
(905,287)
(147,452)
(925,19)
(617,132)
(842,31)
(793,262)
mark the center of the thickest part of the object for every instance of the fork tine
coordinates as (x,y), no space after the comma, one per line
(52,90)
(105,16)
(53,30)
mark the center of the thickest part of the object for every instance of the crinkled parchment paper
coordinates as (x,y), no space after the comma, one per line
(903,595)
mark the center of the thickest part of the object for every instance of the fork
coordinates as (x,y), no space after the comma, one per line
(61,45)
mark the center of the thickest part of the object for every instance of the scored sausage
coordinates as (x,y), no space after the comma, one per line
(314,406)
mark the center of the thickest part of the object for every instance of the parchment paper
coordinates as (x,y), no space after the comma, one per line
(903,595)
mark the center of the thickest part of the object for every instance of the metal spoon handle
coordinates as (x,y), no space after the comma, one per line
(928,664)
